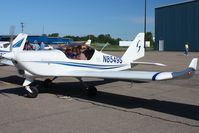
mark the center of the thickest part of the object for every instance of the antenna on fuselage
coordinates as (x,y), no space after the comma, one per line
(105,45)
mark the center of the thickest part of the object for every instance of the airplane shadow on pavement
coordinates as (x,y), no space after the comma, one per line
(75,89)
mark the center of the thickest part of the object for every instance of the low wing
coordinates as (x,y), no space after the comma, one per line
(137,75)
(120,75)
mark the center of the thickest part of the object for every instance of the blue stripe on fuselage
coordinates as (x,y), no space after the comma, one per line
(95,66)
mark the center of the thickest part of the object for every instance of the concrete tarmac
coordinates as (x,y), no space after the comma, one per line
(120,107)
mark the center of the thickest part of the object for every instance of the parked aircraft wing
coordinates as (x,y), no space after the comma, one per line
(129,75)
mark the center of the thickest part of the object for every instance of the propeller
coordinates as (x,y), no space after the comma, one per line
(12,30)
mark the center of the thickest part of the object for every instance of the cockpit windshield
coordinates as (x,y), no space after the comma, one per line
(78,51)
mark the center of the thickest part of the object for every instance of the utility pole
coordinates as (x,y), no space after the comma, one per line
(144,23)
(22,27)
(43,30)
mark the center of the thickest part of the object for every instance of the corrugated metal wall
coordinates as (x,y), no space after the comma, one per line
(50,40)
(176,25)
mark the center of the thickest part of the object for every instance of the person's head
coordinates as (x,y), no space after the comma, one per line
(84,47)
(68,50)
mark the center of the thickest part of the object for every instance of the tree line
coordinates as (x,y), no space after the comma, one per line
(102,38)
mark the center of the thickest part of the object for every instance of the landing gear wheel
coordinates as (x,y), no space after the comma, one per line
(91,91)
(47,83)
(34,92)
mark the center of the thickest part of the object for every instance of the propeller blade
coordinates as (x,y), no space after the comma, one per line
(12,30)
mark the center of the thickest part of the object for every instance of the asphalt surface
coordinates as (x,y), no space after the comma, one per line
(120,107)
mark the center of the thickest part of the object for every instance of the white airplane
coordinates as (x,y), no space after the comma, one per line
(17,44)
(94,64)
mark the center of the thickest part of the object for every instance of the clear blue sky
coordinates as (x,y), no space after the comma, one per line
(119,18)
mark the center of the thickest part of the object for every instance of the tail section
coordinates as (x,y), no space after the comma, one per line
(19,42)
(135,50)
(17,45)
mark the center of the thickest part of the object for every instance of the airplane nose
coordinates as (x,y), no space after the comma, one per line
(9,56)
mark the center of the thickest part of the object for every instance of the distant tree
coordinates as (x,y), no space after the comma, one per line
(102,38)
(53,35)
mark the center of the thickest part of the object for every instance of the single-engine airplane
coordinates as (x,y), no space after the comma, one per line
(84,61)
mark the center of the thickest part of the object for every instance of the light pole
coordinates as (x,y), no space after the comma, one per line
(22,27)
(144,23)
(43,30)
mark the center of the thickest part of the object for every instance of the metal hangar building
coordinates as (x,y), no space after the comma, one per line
(176,25)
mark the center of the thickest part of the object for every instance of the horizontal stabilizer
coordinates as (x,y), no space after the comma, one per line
(147,63)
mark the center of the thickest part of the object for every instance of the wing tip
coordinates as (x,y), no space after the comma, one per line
(193,63)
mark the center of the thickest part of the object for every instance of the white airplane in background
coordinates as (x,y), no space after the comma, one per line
(94,64)
(17,44)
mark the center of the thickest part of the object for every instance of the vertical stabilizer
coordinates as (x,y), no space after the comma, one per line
(19,42)
(136,49)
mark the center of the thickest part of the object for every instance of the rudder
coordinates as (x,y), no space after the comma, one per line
(136,49)
(19,42)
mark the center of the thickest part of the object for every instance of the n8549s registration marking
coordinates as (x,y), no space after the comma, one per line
(112,59)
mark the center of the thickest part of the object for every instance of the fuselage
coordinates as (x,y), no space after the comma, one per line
(55,62)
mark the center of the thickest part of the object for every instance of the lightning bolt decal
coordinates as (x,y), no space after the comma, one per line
(138,46)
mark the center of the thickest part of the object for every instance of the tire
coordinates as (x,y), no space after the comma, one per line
(34,93)
(91,91)
(47,83)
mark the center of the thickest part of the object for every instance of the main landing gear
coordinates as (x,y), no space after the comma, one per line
(91,91)
(47,83)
